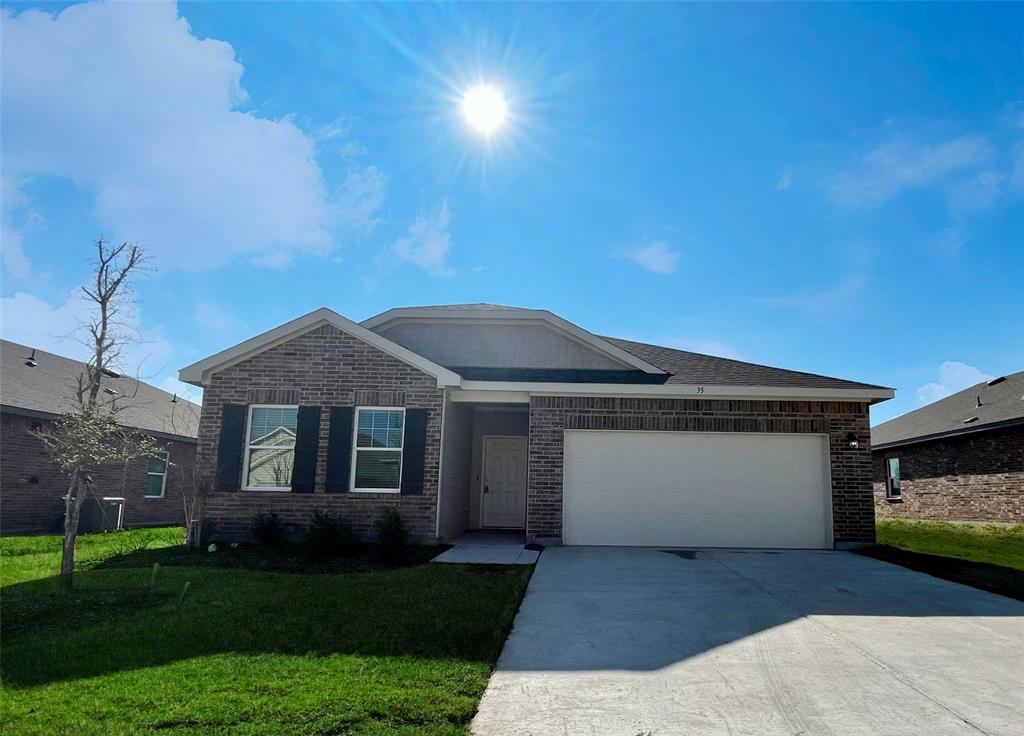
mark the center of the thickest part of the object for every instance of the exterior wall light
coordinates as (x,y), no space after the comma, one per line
(852,439)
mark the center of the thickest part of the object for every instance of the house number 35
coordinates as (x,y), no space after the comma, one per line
(700,389)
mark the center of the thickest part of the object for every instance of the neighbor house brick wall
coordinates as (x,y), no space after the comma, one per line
(32,487)
(550,416)
(325,367)
(974,477)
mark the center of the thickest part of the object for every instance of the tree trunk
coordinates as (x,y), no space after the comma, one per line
(72,510)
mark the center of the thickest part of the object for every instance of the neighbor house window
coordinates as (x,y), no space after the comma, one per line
(156,475)
(377,465)
(892,479)
(270,447)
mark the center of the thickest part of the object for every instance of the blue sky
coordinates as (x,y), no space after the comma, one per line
(831,188)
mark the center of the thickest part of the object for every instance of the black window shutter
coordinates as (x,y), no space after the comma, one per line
(307,441)
(229,447)
(339,449)
(414,448)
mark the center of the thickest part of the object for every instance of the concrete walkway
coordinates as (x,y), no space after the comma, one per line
(637,641)
(489,549)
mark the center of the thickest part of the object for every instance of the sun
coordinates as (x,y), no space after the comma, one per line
(484,108)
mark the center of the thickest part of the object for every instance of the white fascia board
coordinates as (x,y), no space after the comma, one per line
(677,391)
(560,325)
(198,374)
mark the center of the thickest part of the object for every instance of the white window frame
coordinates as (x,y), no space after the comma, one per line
(163,484)
(356,450)
(245,458)
(889,495)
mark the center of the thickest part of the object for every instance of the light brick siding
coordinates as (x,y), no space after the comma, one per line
(28,507)
(550,416)
(325,367)
(975,477)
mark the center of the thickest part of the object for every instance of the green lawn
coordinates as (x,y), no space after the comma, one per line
(997,545)
(984,556)
(379,651)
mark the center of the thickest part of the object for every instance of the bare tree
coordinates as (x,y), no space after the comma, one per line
(89,436)
(195,487)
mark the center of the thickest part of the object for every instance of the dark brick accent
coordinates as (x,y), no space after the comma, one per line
(325,367)
(38,508)
(852,504)
(974,477)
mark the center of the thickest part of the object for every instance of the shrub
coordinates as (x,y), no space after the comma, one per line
(392,533)
(267,530)
(330,535)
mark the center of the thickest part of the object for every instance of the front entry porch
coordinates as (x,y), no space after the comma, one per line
(489,548)
(484,471)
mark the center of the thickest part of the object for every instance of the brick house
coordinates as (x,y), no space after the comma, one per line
(480,417)
(36,387)
(958,459)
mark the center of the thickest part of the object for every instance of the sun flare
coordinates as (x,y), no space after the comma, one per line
(484,108)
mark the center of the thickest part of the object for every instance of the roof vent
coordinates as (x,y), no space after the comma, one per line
(968,420)
(30,361)
(994,381)
(110,391)
(108,372)
(978,405)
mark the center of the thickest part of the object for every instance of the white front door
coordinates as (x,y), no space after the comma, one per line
(503,493)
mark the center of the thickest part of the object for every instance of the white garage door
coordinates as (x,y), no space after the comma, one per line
(693,489)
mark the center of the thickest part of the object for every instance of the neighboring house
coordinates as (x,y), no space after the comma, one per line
(486,417)
(37,387)
(960,458)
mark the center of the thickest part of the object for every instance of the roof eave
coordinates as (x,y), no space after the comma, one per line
(921,439)
(685,391)
(199,373)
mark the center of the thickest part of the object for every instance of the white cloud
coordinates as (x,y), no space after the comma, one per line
(216,319)
(428,242)
(123,100)
(898,165)
(953,377)
(842,297)
(654,255)
(784,180)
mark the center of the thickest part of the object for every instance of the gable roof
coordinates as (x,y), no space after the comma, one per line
(695,368)
(500,312)
(199,373)
(48,390)
(1002,404)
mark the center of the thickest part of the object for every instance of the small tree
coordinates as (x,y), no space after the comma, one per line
(195,487)
(89,436)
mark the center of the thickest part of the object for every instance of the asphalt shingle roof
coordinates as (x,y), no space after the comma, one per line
(49,388)
(696,368)
(1002,403)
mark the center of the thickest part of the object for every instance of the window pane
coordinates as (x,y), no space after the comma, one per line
(273,426)
(158,463)
(379,428)
(271,468)
(378,469)
(154,485)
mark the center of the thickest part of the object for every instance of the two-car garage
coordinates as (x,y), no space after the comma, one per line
(697,489)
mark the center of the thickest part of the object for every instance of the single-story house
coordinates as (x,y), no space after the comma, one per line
(467,417)
(36,387)
(959,458)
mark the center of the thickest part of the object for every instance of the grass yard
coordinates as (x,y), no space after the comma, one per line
(985,556)
(403,650)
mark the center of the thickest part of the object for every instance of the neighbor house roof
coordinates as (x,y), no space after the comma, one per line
(985,406)
(48,390)
(695,368)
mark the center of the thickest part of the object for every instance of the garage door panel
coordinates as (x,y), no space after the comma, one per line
(696,489)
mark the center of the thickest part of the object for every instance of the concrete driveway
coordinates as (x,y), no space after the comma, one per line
(638,641)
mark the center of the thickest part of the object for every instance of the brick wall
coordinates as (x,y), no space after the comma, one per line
(32,488)
(550,416)
(975,477)
(324,367)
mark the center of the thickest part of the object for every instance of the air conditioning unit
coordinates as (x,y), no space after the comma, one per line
(104,514)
